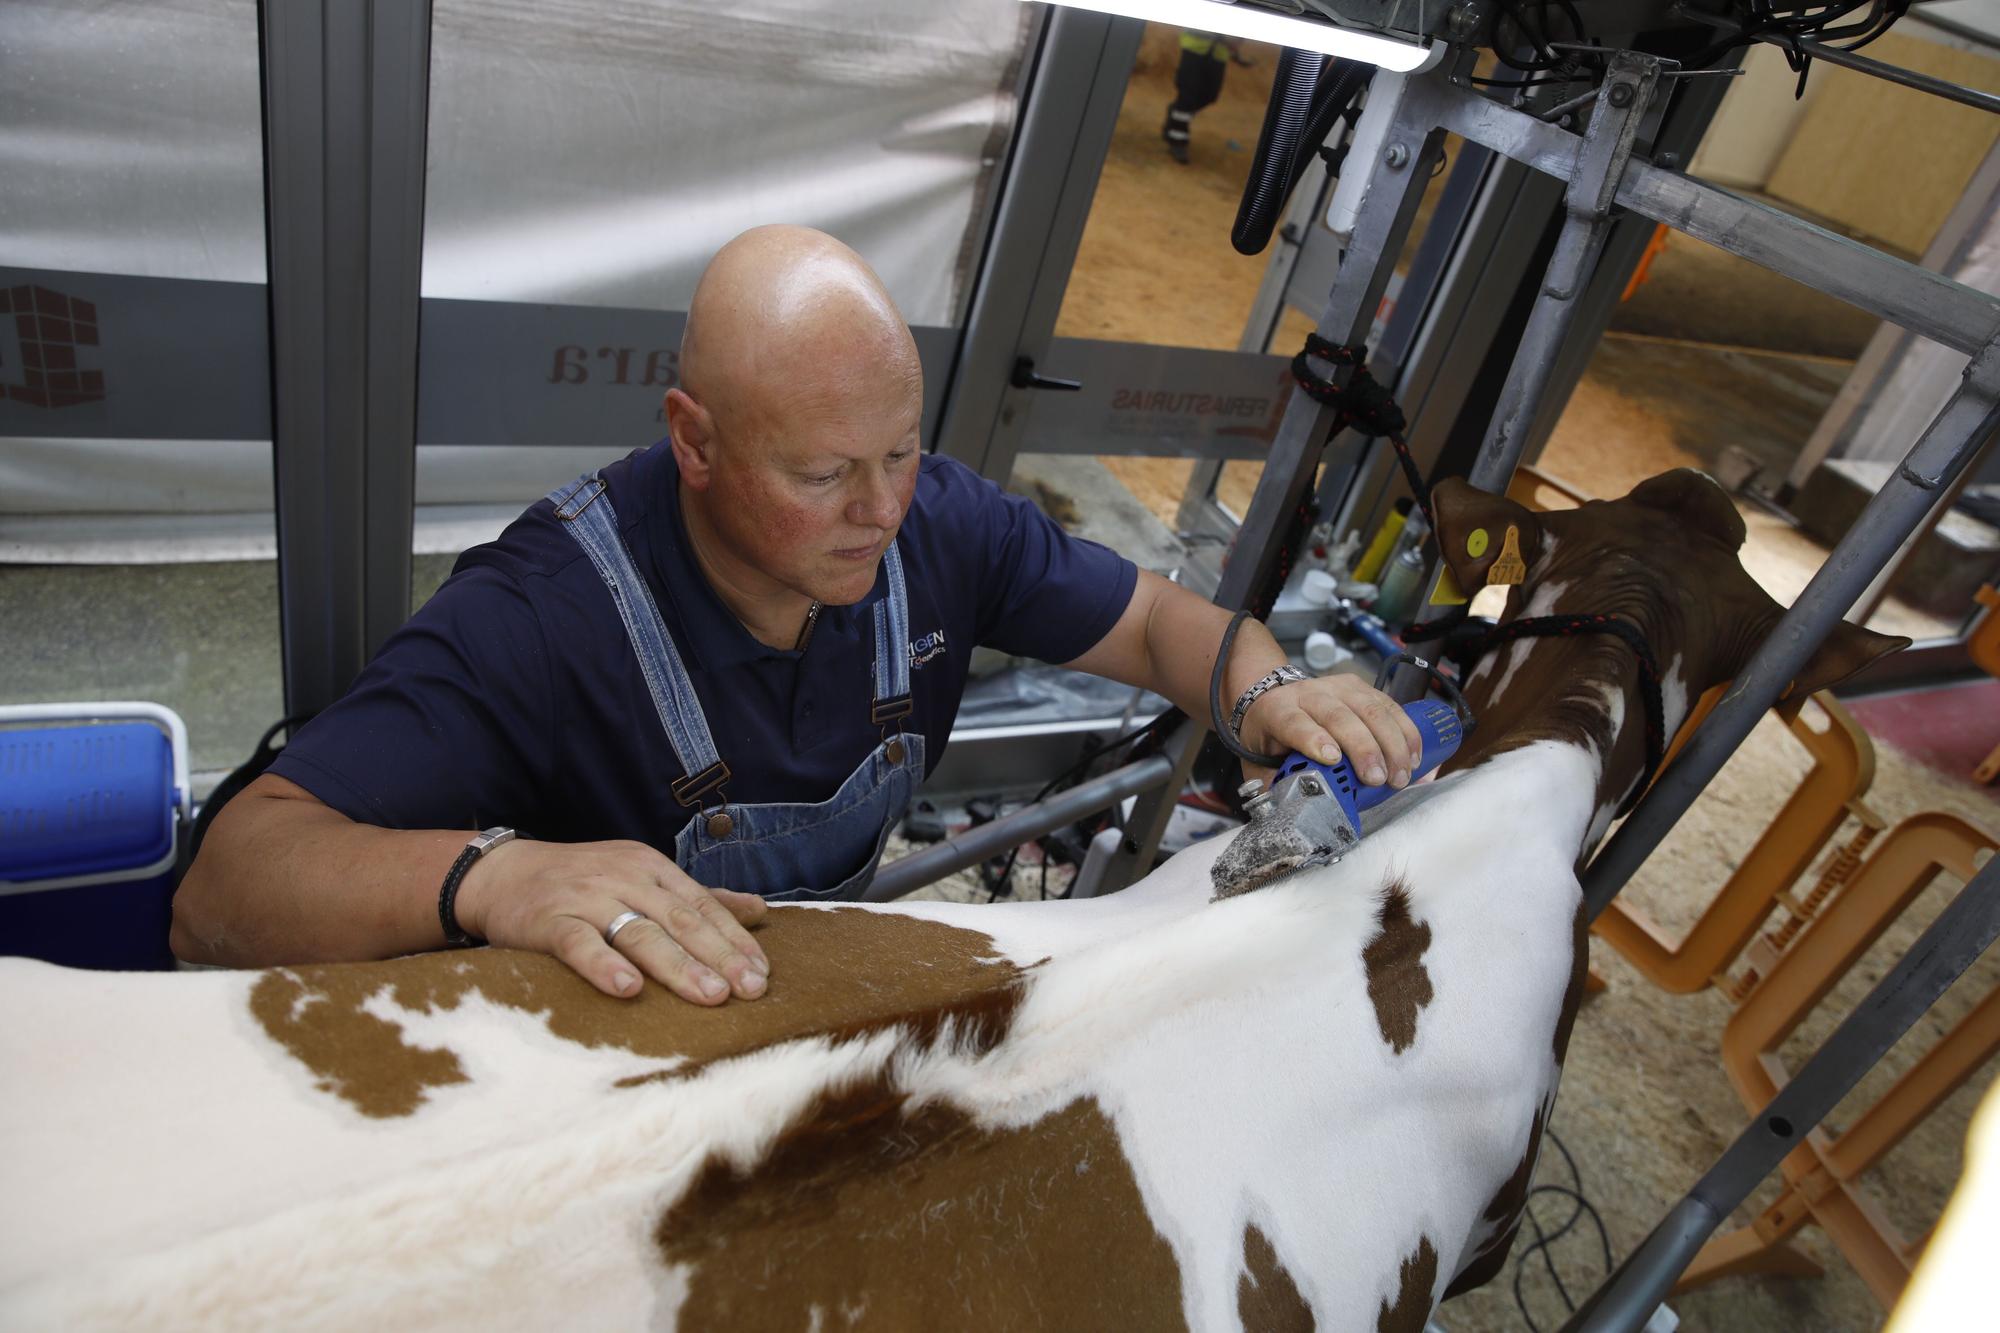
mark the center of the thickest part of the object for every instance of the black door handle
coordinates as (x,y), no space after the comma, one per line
(1024,377)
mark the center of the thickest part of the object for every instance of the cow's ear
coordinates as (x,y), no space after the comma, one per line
(1845,651)
(1693,498)
(1477,530)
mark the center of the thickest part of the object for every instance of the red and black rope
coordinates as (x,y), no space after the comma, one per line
(1362,404)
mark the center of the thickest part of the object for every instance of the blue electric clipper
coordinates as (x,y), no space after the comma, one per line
(1311,815)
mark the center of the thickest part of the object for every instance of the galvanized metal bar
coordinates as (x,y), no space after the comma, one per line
(1961,932)
(1627,91)
(1947,311)
(1388,206)
(1967,422)
(909,873)
(1909,78)
(1601,158)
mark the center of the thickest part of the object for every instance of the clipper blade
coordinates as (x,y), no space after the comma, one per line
(1299,826)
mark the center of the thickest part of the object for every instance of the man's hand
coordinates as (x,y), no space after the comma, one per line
(1327,716)
(557,898)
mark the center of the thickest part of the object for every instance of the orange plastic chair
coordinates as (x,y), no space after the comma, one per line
(1984,645)
(1843,769)
(1821,1174)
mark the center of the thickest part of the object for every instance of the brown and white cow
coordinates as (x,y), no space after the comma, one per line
(1315,1104)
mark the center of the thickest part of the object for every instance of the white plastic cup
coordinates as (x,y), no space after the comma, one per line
(1318,588)
(1322,653)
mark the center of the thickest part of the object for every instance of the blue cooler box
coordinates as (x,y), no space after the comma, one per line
(92,801)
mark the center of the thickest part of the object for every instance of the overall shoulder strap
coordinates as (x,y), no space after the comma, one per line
(892,644)
(584,507)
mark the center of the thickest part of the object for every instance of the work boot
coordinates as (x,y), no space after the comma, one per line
(1176,133)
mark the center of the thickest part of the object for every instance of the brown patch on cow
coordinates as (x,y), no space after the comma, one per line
(836,974)
(868,1212)
(1267,1300)
(357,1056)
(1412,1309)
(1398,983)
(1504,1212)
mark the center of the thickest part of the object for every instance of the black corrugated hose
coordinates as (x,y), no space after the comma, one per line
(1285,118)
(1287,143)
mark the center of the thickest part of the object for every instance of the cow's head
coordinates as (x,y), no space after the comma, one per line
(1663,557)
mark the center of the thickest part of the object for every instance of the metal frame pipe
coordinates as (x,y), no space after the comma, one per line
(1600,161)
(908,873)
(346,95)
(1961,932)
(1890,288)
(1958,433)
(1388,207)
(1081,69)
(1909,78)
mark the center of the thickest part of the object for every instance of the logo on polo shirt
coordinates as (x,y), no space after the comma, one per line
(924,649)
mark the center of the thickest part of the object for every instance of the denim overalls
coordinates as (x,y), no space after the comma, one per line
(781,850)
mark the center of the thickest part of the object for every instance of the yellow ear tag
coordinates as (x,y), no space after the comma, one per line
(1508,568)
(1447,593)
(1475,545)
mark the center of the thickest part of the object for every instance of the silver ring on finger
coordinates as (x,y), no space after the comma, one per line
(619,922)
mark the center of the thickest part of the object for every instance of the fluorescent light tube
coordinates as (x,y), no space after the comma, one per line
(1261,25)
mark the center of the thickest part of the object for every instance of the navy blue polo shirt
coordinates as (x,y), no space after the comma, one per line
(513,696)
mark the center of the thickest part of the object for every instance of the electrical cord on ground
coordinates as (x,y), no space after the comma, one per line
(1545,1240)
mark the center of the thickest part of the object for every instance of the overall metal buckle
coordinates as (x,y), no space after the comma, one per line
(690,789)
(892,710)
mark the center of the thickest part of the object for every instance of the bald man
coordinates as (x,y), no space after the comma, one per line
(709,674)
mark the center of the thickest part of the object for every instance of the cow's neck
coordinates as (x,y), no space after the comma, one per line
(1582,690)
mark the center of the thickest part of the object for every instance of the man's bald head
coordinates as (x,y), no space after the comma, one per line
(796,427)
(787,322)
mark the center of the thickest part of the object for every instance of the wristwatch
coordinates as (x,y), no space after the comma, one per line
(1284,675)
(482,843)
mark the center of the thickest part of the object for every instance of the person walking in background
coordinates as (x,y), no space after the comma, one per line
(1205,56)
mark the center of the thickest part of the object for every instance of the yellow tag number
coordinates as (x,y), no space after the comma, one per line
(1508,568)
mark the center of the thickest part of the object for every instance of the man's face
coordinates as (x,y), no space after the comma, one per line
(811,494)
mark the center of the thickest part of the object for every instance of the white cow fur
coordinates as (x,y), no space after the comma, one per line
(164,1164)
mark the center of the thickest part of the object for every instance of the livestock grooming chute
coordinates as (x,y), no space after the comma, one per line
(1609,99)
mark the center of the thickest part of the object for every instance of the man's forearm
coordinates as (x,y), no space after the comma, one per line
(1167,640)
(1183,633)
(284,879)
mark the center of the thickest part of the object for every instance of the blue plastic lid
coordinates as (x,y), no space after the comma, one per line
(84,799)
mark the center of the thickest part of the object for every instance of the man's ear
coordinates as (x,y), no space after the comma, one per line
(1846,650)
(692,429)
(1473,529)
